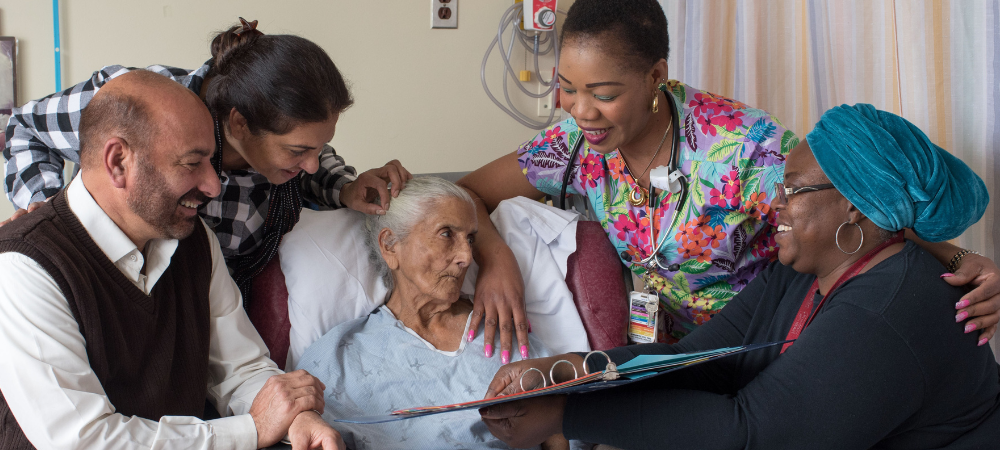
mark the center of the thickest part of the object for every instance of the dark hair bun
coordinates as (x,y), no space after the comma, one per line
(636,28)
(229,42)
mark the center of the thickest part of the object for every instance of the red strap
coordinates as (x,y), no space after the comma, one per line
(806,313)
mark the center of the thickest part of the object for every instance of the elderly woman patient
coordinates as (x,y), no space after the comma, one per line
(877,360)
(411,351)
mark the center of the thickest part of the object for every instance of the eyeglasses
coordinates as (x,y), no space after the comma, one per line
(784,192)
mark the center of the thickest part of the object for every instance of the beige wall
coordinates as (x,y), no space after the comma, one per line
(418,94)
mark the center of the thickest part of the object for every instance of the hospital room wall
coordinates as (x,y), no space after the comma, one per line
(418,95)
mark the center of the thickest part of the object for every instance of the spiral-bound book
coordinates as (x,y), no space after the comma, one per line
(637,368)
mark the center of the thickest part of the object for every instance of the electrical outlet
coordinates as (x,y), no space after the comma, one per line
(545,104)
(444,13)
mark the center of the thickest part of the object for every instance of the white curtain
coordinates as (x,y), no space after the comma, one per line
(935,62)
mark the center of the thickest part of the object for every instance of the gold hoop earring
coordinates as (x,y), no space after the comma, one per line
(656,102)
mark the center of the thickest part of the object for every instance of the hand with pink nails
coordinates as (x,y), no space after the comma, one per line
(981,305)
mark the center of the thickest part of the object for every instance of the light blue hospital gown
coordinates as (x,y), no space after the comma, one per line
(374,365)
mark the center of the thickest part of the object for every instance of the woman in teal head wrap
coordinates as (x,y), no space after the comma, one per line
(877,360)
(893,173)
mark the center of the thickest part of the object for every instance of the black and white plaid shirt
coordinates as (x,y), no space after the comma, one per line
(43,133)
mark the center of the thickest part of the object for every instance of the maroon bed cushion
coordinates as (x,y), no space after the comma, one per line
(594,275)
(269,310)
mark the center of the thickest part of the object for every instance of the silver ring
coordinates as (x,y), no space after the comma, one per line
(521,380)
(586,369)
(836,238)
(575,373)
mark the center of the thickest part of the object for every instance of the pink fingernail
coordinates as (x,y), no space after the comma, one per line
(961,316)
(505,357)
(488,350)
(961,304)
(472,334)
(947,275)
(524,352)
(983,342)
(970,327)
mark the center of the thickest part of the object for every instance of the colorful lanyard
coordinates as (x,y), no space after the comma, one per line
(806,313)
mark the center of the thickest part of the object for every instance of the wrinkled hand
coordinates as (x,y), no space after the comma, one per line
(500,298)
(31,207)
(525,423)
(309,431)
(280,401)
(982,304)
(360,194)
(507,380)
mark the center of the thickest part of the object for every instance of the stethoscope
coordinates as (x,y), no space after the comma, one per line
(677,182)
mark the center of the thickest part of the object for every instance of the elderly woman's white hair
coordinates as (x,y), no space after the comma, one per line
(405,211)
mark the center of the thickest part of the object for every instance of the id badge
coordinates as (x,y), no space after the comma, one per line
(642,321)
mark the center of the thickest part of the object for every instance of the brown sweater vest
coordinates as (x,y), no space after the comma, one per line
(149,352)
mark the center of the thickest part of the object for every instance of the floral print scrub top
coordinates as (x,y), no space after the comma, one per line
(732,155)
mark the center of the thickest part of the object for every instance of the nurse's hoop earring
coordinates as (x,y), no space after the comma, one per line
(656,102)
(836,238)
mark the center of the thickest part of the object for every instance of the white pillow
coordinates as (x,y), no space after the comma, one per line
(329,279)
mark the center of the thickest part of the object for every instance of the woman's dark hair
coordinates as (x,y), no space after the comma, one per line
(275,81)
(637,27)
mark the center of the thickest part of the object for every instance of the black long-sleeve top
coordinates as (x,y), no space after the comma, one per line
(883,365)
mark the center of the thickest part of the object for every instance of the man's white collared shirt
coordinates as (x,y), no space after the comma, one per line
(46,377)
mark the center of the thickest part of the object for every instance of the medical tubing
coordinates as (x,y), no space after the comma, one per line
(516,115)
(506,94)
(552,82)
(505,57)
(509,17)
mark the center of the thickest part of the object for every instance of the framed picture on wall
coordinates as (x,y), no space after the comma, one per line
(8,79)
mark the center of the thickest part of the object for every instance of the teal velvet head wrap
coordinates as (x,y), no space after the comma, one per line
(895,175)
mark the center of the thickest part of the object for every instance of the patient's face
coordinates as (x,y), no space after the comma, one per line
(433,259)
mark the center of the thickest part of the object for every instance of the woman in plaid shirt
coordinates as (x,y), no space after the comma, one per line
(275,100)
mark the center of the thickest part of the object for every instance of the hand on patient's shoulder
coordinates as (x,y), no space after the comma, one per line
(22,212)
(499,300)
(360,194)
(281,400)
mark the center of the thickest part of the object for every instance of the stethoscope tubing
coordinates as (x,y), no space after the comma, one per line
(654,256)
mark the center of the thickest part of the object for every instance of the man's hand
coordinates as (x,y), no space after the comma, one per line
(360,193)
(982,304)
(309,431)
(525,423)
(31,207)
(500,298)
(281,400)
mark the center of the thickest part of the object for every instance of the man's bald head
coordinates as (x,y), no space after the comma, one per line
(146,144)
(135,107)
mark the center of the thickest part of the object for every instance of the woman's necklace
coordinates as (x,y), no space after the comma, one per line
(638,195)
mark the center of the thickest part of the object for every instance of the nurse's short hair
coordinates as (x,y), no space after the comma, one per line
(405,211)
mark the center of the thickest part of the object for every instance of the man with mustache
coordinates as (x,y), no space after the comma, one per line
(118,317)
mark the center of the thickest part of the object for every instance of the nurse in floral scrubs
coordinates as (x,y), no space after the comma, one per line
(709,240)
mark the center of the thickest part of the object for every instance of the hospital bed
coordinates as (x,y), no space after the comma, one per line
(600,300)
